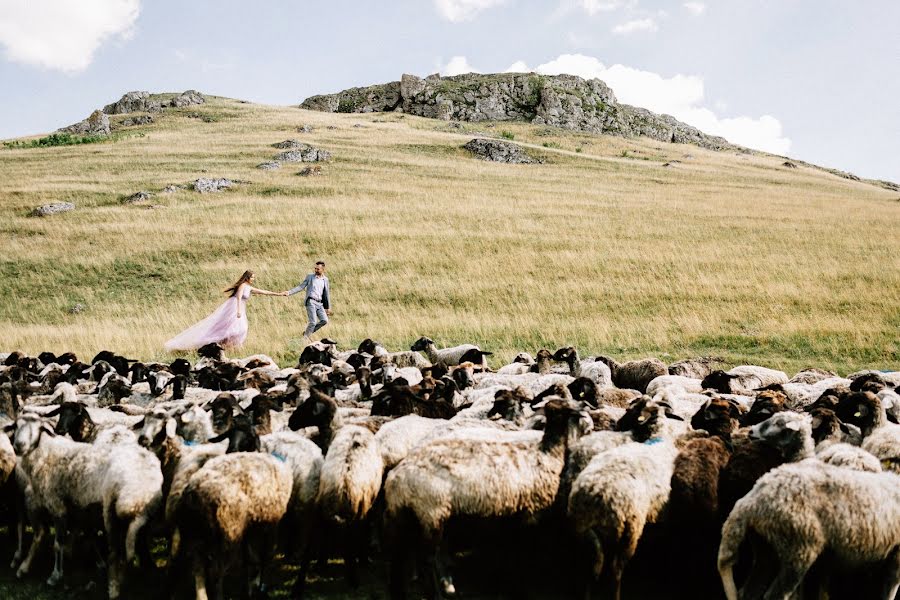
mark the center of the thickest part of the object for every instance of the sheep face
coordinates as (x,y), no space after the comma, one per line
(28,432)
(211,351)
(158,381)
(718,380)
(367,346)
(826,425)
(74,420)
(719,417)
(421,344)
(562,355)
(862,409)
(508,404)
(767,404)
(584,389)
(153,428)
(464,375)
(788,432)
(870,382)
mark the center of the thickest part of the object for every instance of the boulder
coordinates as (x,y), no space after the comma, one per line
(206,185)
(303,153)
(52,209)
(133,102)
(172,188)
(305,128)
(141,196)
(187,98)
(96,124)
(286,144)
(311,170)
(499,151)
(269,166)
(136,120)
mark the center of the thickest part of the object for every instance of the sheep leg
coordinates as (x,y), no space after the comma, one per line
(591,563)
(59,545)
(21,513)
(350,554)
(441,582)
(115,535)
(790,574)
(892,580)
(199,570)
(36,543)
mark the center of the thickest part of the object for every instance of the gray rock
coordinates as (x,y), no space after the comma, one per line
(303,153)
(187,98)
(76,308)
(564,101)
(789,164)
(311,170)
(499,151)
(206,185)
(269,166)
(141,196)
(52,209)
(137,120)
(132,102)
(96,124)
(305,128)
(287,144)
(172,188)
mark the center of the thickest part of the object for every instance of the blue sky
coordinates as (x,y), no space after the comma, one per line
(814,80)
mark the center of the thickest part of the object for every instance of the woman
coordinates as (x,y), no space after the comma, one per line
(227,325)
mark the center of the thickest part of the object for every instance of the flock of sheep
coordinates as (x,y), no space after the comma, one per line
(777,483)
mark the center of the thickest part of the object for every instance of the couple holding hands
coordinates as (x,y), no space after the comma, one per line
(227,325)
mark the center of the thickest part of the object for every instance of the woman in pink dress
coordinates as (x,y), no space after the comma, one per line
(227,325)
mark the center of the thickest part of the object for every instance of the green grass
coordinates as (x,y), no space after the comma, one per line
(57,139)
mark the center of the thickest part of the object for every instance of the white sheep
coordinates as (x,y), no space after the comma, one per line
(854,515)
(450,357)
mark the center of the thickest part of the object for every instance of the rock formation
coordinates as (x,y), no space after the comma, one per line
(499,151)
(563,101)
(96,124)
(133,102)
(52,209)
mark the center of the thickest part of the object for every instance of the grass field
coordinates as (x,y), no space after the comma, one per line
(601,246)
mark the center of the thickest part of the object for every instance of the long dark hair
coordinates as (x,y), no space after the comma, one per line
(243,279)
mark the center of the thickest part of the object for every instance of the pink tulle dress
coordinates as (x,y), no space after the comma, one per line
(221,326)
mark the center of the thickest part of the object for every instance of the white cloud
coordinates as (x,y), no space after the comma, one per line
(680,96)
(463,10)
(459,65)
(593,7)
(518,67)
(637,25)
(63,34)
(696,8)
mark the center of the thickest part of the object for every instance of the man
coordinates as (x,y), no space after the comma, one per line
(318,299)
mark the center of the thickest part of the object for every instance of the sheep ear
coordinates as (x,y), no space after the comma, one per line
(171,428)
(844,428)
(48,430)
(139,425)
(793,425)
(53,413)
(892,418)
(10,427)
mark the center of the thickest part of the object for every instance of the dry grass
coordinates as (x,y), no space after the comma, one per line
(601,246)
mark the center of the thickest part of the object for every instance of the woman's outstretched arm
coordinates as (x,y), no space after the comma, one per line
(260,292)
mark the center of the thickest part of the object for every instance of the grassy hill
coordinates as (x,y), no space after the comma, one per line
(602,246)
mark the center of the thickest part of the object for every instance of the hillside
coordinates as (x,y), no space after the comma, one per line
(625,246)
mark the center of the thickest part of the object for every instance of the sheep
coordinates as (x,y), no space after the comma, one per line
(449,356)
(617,494)
(305,461)
(743,379)
(845,455)
(596,370)
(74,419)
(234,502)
(811,376)
(349,484)
(695,368)
(784,437)
(880,437)
(890,378)
(520,365)
(501,474)
(665,386)
(123,480)
(396,438)
(634,374)
(405,358)
(853,515)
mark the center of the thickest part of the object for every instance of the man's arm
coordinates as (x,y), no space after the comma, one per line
(327,297)
(300,287)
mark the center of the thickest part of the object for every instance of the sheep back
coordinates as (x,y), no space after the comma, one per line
(351,475)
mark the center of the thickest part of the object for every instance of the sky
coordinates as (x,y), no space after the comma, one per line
(814,80)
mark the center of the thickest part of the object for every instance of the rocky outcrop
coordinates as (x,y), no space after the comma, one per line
(499,151)
(205,185)
(302,153)
(133,102)
(141,196)
(96,124)
(136,120)
(269,166)
(52,209)
(187,98)
(563,101)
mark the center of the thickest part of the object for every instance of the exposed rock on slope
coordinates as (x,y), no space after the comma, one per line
(132,102)
(499,151)
(96,124)
(557,100)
